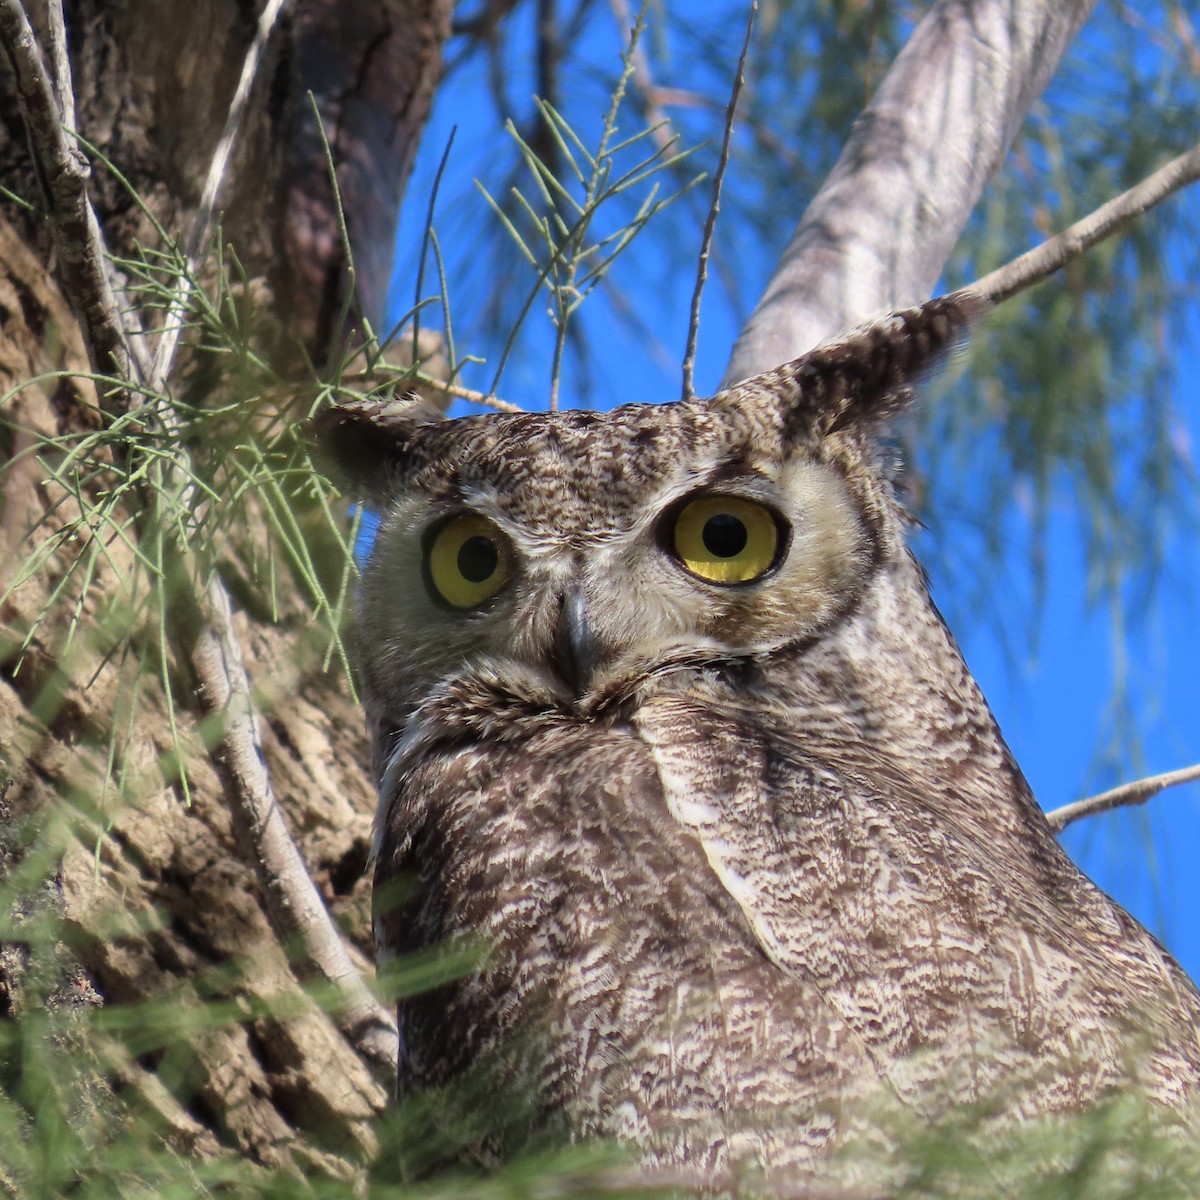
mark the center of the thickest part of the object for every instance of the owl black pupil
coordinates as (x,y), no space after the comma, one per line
(477,559)
(724,536)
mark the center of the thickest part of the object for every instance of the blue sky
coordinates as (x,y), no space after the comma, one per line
(1054,708)
(1051,694)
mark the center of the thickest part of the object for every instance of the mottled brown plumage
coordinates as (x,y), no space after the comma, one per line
(744,860)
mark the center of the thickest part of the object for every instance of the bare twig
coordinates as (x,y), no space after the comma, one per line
(222,684)
(64,173)
(710,222)
(1108,219)
(658,122)
(202,222)
(1125,796)
(64,94)
(463,393)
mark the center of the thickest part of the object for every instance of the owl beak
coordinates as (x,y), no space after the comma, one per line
(576,650)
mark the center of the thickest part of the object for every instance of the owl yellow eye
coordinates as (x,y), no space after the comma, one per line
(726,539)
(467,562)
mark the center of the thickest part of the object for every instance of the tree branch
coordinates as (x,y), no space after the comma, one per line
(375,69)
(880,229)
(64,173)
(296,907)
(1125,796)
(202,222)
(1106,221)
(64,92)
(1110,218)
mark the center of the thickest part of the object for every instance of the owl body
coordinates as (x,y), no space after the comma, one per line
(674,746)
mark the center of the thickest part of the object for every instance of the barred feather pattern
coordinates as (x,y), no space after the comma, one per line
(759,867)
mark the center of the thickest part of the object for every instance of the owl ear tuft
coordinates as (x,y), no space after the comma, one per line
(360,444)
(864,377)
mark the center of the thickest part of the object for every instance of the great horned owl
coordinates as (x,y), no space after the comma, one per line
(667,727)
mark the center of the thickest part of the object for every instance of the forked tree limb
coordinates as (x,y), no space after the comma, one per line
(1125,796)
(206,622)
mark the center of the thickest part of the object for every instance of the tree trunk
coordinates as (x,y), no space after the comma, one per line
(160,899)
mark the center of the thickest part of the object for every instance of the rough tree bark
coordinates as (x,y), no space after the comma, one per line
(162,897)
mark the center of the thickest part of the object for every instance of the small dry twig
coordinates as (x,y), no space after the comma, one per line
(1125,796)
(710,221)
(486,399)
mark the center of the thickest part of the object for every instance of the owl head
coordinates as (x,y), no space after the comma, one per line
(571,556)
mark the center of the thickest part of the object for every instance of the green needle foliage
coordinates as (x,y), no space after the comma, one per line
(559,245)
